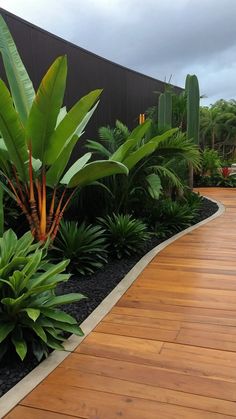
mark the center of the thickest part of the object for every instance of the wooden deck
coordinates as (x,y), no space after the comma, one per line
(167,349)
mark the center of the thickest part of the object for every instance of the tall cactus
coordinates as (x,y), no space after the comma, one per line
(193,105)
(165,111)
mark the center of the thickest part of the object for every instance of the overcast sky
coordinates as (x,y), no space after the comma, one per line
(156,37)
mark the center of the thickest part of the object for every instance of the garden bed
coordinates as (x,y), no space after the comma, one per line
(96,287)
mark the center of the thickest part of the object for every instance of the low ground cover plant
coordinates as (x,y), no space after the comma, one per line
(30,318)
(125,235)
(84,245)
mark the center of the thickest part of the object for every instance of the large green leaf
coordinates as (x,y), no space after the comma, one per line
(56,170)
(20,345)
(139,131)
(58,315)
(136,135)
(13,132)
(148,148)
(46,107)
(96,170)
(139,154)
(64,299)
(20,84)
(69,125)
(75,168)
(5,329)
(121,153)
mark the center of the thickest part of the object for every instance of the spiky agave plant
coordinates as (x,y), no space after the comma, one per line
(38,137)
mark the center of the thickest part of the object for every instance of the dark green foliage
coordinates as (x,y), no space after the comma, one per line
(29,318)
(171,216)
(84,245)
(125,234)
(193,200)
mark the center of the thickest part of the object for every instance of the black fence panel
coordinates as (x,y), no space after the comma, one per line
(126,93)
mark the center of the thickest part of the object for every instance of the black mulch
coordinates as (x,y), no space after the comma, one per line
(96,287)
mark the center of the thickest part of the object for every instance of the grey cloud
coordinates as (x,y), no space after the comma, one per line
(156,37)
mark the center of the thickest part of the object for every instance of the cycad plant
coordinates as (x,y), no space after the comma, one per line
(38,136)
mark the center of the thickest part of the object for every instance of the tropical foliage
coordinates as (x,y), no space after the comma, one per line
(29,308)
(218,127)
(149,161)
(38,136)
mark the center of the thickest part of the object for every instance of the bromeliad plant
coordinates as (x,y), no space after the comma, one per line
(30,320)
(38,136)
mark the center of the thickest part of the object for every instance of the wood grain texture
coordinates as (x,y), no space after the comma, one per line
(167,349)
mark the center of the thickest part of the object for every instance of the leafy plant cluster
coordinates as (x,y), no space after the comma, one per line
(214,171)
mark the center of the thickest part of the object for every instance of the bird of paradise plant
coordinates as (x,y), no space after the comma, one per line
(38,136)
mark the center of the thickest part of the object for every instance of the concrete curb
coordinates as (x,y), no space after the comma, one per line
(9,400)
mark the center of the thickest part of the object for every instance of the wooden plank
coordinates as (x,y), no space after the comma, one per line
(223,341)
(121,347)
(90,381)
(23,412)
(96,404)
(152,376)
(142,332)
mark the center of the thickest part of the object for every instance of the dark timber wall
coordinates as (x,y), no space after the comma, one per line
(126,94)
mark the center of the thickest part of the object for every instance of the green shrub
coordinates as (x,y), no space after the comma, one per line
(171,216)
(125,234)
(85,246)
(29,317)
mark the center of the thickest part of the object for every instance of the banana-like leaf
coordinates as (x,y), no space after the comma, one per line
(20,84)
(139,154)
(61,115)
(121,153)
(69,126)
(13,132)
(56,171)
(96,170)
(139,131)
(147,148)
(46,107)
(75,168)
(136,135)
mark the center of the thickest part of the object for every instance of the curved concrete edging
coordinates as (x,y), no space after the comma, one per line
(9,400)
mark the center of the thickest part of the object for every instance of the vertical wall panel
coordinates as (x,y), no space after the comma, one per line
(126,92)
